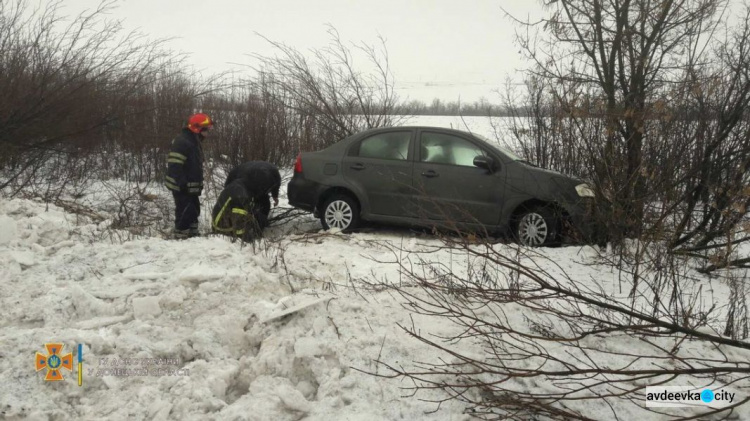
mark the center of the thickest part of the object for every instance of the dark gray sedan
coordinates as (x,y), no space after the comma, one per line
(435,177)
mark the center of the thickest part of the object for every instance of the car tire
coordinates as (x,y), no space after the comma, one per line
(340,211)
(537,227)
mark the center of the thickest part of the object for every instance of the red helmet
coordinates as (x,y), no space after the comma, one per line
(198,122)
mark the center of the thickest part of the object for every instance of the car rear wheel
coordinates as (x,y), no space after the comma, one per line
(537,227)
(340,212)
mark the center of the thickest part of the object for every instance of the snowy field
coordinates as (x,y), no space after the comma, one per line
(189,329)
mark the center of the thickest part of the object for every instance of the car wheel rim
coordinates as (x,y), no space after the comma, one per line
(339,215)
(532,229)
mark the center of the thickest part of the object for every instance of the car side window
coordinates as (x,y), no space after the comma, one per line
(390,145)
(441,148)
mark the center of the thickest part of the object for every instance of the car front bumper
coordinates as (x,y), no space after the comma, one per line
(580,224)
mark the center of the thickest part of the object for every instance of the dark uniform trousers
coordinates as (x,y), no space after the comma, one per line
(186,212)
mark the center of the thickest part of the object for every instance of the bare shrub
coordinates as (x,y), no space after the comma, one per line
(738,320)
(537,341)
(252,125)
(64,83)
(328,95)
(655,119)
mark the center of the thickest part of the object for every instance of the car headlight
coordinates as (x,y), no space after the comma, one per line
(584,190)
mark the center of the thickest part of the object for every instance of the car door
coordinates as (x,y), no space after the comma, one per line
(450,186)
(379,167)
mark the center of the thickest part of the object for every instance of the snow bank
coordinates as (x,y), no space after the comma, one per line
(191,309)
(195,329)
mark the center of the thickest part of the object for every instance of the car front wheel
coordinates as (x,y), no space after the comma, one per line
(340,212)
(537,227)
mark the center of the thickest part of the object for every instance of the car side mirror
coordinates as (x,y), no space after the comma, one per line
(485,162)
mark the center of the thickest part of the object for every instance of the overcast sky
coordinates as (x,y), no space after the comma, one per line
(442,48)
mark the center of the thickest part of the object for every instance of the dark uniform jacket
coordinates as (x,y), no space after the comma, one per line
(233,213)
(185,164)
(259,178)
(243,206)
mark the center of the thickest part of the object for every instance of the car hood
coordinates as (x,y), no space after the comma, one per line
(552,185)
(543,172)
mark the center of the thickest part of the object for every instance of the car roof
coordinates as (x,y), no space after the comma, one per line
(377,129)
(344,143)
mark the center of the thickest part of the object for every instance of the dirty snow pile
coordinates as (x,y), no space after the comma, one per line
(193,329)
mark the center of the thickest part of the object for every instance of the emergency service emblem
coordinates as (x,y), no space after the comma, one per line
(54,362)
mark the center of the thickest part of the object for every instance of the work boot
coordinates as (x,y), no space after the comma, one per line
(180,234)
(193,231)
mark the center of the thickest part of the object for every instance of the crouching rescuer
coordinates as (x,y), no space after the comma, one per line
(244,205)
(185,174)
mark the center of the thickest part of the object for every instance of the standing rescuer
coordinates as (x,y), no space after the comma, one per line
(243,206)
(185,174)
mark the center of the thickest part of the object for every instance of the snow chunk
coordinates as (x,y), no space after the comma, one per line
(8,230)
(320,325)
(199,273)
(53,234)
(307,389)
(293,398)
(159,410)
(146,276)
(51,248)
(309,347)
(211,287)
(24,258)
(9,269)
(146,306)
(100,322)
(219,253)
(348,382)
(86,305)
(219,336)
(173,298)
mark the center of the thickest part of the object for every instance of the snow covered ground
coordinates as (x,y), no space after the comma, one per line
(201,302)
(198,310)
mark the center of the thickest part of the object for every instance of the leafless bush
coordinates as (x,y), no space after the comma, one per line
(83,101)
(738,320)
(656,119)
(252,124)
(327,95)
(64,83)
(537,341)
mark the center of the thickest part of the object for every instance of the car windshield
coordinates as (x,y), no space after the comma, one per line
(502,149)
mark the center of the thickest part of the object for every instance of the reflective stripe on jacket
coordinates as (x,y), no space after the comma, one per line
(185,164)
(231,214)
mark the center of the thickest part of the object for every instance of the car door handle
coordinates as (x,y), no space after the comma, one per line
(358,166)
(430,174)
